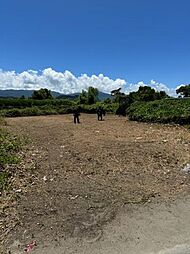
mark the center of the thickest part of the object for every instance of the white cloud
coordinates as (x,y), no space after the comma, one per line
(66,82)
(154,84)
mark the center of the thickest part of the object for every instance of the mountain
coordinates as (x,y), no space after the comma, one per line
(11,93)
(18,93)
(102,96)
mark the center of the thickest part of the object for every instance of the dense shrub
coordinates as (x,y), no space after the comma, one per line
(162,111)
(54,109)
(42,94)
(91,109)
(33,111)
(23,103)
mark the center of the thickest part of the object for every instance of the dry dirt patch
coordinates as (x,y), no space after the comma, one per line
(84,173)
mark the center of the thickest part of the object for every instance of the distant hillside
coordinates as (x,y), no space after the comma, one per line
(28,93)
(102,96)
(18,93)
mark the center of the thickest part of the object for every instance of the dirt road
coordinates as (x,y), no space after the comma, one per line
(84,175)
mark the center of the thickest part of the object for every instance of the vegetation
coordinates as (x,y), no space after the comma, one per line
(90,97)
(145,93)
(8,103)
(42,94)
(161,111)
(9,147)
(184,91)
(87,101)
(91,109)
(2,121)
(35,111)
(144,105)
(56,109)
(31,107)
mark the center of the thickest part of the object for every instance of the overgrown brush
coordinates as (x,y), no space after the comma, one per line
(9,147)
(163,111)
(91,109)
(2,121)
(18,103)
(57,109)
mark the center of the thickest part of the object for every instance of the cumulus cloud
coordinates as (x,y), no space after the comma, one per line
(63,82)
(66,82)
(154,84)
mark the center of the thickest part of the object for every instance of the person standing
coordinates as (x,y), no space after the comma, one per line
(100,113)
(76,115)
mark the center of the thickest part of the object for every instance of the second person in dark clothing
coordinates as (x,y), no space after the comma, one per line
(76,114)
(100,113)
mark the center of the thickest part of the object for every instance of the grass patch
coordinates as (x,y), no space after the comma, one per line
(4,176)
(9,148)
(2,121)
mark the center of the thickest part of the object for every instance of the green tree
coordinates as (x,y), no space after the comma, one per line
(92,95)
(83,97)
(184,91)
(42,94)
(107,101)
(163,95)
(145,93)
(89,97)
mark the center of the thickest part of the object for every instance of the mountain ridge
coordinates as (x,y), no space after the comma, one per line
(12,93)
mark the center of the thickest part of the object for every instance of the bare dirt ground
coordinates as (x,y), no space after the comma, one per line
(76,178)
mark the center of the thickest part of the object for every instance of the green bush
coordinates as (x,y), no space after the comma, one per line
(162,111)
(91,109)
(29,107)
(8,103)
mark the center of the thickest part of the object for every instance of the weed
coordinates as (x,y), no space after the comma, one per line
(2,121)
(4,176)
(9,147)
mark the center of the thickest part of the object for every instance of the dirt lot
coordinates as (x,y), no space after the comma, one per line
(77,177)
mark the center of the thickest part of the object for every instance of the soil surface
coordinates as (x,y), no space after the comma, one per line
(149,229)
(75,179)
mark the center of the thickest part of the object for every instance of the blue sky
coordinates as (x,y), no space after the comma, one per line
(134,40)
